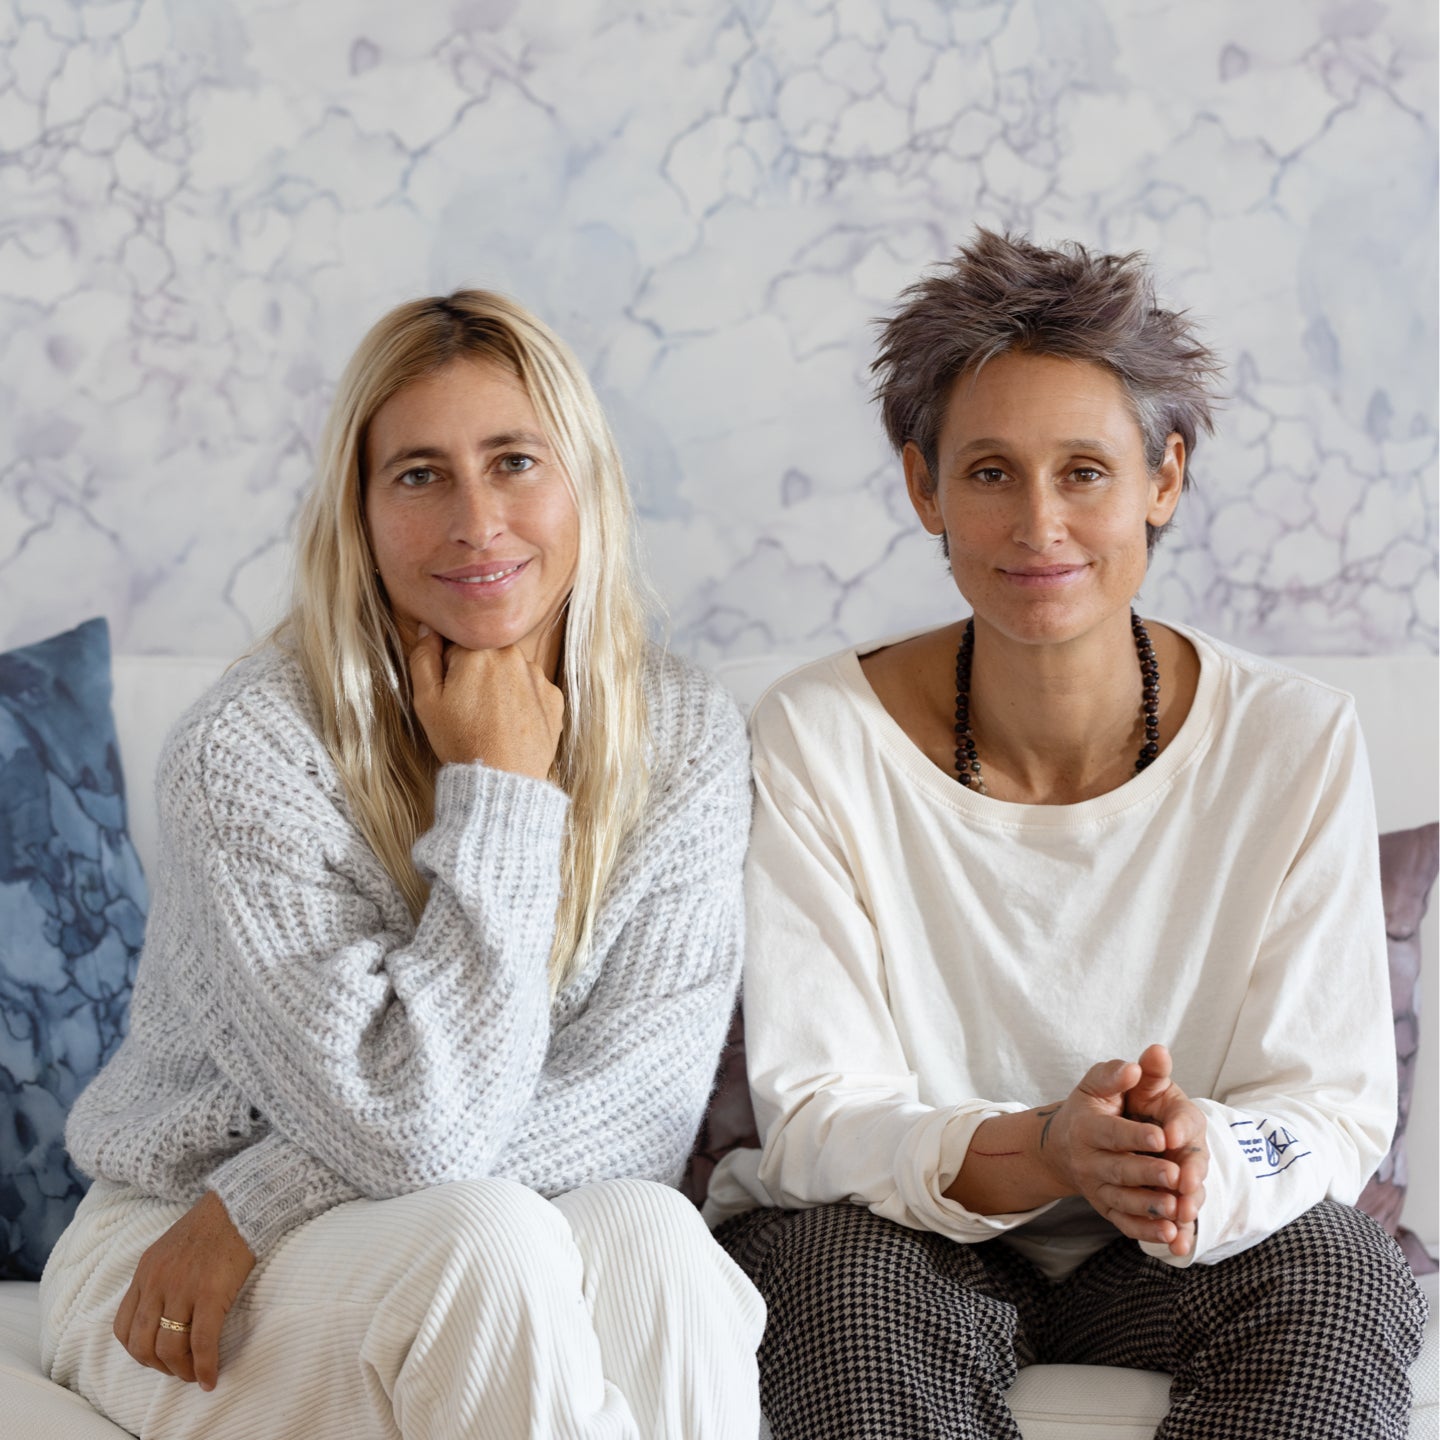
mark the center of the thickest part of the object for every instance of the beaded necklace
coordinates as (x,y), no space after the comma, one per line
(967,762)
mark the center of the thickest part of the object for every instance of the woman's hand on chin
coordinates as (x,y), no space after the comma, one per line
(1142,1166)
(494,706)
(191,1276)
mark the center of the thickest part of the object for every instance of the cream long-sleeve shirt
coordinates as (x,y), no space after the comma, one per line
(921,957)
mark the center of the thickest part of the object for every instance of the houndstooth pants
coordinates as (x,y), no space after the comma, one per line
(878,1332)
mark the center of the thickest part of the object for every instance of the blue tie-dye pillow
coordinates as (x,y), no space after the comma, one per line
(72,910)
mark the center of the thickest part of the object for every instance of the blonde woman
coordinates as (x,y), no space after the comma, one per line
(445,936)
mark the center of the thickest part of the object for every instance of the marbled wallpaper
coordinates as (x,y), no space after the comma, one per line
(204,203)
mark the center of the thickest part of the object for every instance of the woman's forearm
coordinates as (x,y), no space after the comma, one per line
(1007,1168)
(1087,1145)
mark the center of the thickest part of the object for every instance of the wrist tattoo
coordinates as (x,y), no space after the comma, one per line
(1049,1116)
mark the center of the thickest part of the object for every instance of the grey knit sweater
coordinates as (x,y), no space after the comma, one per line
(296,1040)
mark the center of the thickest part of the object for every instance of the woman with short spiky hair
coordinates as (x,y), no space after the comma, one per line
(989,856)
(444,944)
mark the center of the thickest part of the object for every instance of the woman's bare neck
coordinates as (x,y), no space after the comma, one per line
(1052,724)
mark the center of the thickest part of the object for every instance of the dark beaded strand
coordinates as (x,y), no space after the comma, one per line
(1150,696)
(967,762)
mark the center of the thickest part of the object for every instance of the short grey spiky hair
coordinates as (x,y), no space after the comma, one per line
(1000,294)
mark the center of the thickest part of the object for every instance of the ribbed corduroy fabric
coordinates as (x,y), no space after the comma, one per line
(476,1309)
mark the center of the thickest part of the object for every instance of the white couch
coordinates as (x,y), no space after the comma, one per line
(1397,699)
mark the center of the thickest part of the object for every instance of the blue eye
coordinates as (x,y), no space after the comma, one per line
(517,464)
(417,478)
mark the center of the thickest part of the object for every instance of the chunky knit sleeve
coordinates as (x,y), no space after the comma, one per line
(397,1058)
(627,1078)
(273,1185)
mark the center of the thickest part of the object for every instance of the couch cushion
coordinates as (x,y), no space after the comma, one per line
(72,913)
(1054,1401)
(151,694)
(32,1407)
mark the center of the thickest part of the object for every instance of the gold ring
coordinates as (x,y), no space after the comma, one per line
(182,1326)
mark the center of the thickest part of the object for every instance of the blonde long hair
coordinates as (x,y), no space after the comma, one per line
(341,631)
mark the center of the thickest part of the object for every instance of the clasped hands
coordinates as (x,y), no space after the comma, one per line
(1126,1138)
(1133,1144)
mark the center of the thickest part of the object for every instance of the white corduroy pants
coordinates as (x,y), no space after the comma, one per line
(470,1310)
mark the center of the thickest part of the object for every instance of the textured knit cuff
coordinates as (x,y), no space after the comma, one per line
(274,1185)
(492,830)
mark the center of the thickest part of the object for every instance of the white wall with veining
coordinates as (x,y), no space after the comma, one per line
(204,203)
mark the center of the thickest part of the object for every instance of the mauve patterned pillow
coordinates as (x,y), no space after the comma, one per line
(729,1123)
(1409,860)
(72,913)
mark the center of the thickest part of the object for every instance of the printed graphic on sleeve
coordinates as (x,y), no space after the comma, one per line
(1270,1148)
